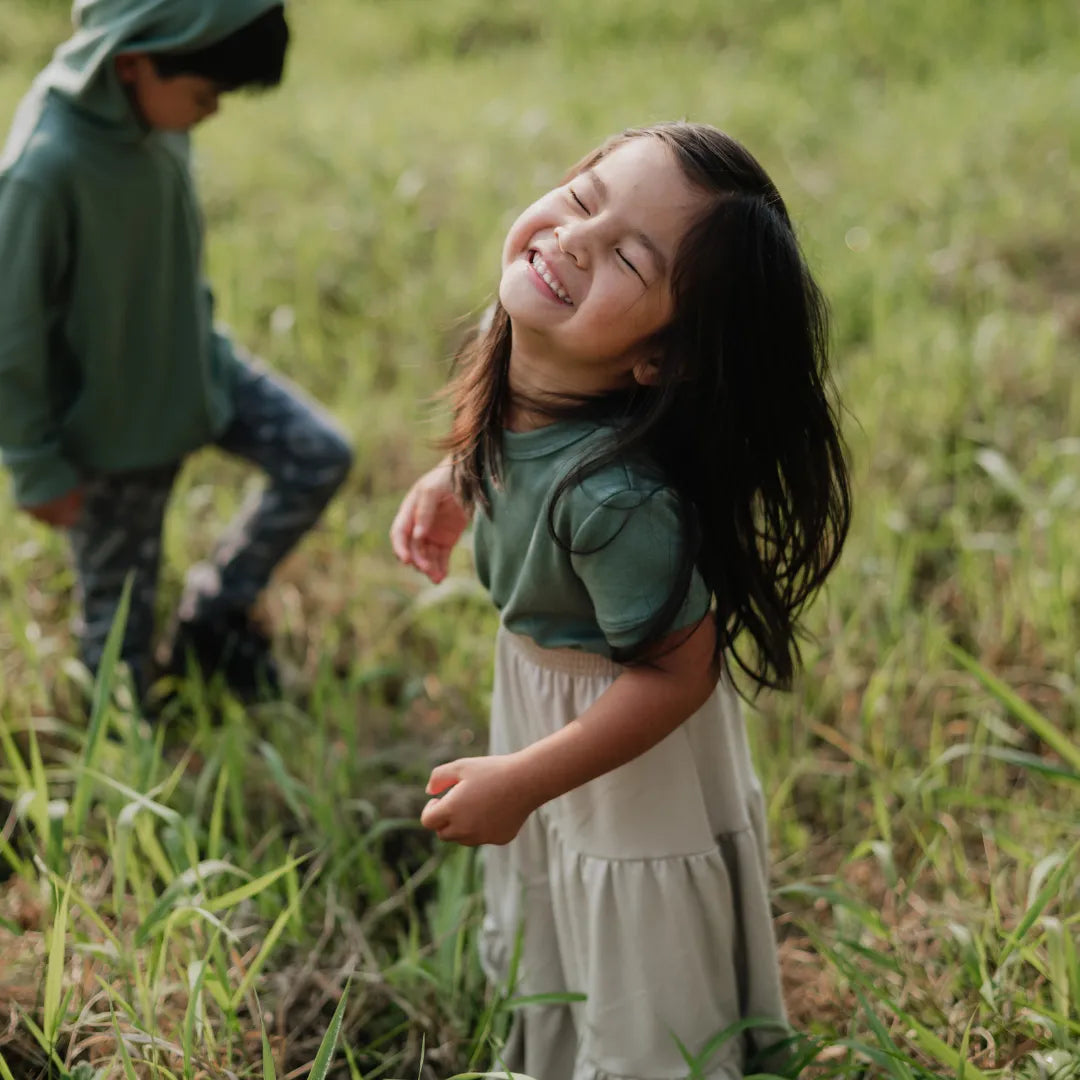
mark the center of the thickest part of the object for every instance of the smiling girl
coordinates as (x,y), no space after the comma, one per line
(646,432)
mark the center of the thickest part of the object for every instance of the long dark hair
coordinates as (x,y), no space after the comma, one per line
(741,423)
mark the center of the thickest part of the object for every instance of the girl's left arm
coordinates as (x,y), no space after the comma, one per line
(489,798)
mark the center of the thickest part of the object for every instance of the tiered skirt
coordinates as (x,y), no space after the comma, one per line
(644,890)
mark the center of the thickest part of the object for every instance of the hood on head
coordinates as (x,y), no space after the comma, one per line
(82,68)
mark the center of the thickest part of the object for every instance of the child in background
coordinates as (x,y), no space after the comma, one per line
(111,369)
(646,433)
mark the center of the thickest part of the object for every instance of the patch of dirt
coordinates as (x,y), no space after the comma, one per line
(812,992)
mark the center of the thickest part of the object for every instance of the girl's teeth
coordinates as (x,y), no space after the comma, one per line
(542,269)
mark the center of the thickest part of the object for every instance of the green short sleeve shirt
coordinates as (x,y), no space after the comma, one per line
(615,555)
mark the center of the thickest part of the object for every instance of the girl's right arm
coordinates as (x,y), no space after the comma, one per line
(429,523)
(485,800)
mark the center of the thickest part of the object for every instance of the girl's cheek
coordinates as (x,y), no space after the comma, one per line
(512,243)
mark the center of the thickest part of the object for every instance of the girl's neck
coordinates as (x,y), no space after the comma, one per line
(540,378)
(529,394)
(524,419)
(527,384)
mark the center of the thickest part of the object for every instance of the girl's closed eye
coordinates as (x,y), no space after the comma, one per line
(628,263)
(577,199)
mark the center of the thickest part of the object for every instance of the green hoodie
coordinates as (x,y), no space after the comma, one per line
(108,355)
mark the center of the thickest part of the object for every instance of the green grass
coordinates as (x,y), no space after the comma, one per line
(198,905)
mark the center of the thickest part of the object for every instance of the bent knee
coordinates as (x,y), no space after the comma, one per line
(338,457)
(328,469)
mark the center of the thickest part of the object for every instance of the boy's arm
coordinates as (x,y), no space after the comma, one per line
(489,798)
(31,260)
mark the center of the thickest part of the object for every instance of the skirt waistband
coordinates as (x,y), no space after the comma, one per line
(567,661)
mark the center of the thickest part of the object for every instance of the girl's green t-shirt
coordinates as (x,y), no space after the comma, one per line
(614,558)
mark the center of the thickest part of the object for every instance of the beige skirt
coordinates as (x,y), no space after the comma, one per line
(645,890)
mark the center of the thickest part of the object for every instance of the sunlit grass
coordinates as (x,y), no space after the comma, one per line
(194,900)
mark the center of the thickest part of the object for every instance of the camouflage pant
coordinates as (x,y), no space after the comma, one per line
(305,459)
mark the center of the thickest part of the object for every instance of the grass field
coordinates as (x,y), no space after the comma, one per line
(193,903)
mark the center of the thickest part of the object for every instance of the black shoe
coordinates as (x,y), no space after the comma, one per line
(231,645)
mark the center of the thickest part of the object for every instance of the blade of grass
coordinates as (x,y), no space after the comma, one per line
(13,759)
(190,1014)
(269,1072)
(350,1058)
(1019,758)
(965,1042)
(235,896)
(740,1026)
(292,791)
(1036,908)
(264,951)
(82,904)
(894,1062)
(10,856)
(217,813)
(54,975)
(39,1038)
(921,1035)
(148,841)
(940,1051)
(39,806)
(139,801)
(98,710)
(325,1056)
(187,914)
(1031,718)
(125,1057)
(292,889)
(174,892)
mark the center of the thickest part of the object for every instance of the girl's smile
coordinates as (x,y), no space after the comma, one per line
(587,271)
(547,281)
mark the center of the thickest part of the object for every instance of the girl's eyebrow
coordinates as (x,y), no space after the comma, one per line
(646,240)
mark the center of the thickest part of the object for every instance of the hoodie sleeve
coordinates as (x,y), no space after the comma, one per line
(31,263)
(228,356)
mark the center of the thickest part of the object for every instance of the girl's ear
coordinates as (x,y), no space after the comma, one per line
(647,371)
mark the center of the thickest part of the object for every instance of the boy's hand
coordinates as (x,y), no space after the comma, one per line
(429,523)
(62,512)
(487,800)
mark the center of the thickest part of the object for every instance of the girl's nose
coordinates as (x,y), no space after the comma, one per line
(569,241)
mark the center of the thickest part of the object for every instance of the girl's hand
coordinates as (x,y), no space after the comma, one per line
(429,523)
(62,512)
(487,800)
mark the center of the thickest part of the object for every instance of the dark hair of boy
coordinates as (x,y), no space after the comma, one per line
(740,424)
(253,56)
